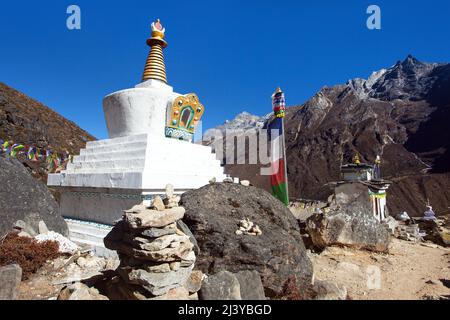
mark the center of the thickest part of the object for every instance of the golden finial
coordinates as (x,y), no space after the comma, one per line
(155,67)
(278,90)
(356,159)
(158,32)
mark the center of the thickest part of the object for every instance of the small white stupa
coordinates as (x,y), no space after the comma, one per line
(151,129)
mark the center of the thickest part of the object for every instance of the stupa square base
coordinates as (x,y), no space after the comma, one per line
(101,205)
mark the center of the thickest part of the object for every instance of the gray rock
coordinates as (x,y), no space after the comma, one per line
(20,225)
(391,224)
(171,240)
(179,293)
(213,180)
(251,285)
(22,197)
(155,283)
(408,232)
(153,218)
(158,268)
(158,204)
(80,291)
(42,227)
(172,202)
(155,244)
(169,191)
(164,255)
(150,266)
(221,286)
(213,213)
(327,290)
(185,229)
(350,224)
(194,282)
(175,265)
(10,277)
(188,260)
(159,232)
(245,183)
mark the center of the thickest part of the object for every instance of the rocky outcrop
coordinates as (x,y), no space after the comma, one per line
(24,198)
(435,230)
(10,277)
(155,256)
(349,223)
(348,227)
(213,214)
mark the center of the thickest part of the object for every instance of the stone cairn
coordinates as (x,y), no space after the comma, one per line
(248,227)
(156,257)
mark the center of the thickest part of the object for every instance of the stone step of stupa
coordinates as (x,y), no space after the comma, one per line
(145,140)
(117,166)
(147,180)
(124,147)
(207,171)
(119,155)
(122,140)
(124,154)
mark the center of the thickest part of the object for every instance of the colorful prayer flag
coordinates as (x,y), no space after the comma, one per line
(15,149)
(278,178)
(52,159)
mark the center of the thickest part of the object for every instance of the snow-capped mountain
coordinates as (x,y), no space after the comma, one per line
(243,121)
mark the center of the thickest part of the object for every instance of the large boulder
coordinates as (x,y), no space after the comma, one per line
(213,214)
(22,197)
(350,223)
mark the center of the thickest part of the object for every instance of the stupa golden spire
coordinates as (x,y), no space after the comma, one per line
(155,67)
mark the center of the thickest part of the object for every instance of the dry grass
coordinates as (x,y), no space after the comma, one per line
(27,252)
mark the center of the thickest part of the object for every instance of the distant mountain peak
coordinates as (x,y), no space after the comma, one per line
(243,121)
(409,79)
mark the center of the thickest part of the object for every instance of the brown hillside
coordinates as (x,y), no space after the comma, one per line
(27,121)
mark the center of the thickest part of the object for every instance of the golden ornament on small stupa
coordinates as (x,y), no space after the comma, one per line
(155,67)
(356,159)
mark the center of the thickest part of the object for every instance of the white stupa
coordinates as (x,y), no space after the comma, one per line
(151,130)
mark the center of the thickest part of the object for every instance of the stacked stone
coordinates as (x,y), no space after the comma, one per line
(155,255)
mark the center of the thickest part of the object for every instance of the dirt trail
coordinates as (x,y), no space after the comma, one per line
(409,271)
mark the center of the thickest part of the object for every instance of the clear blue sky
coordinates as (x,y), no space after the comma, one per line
(233,54)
